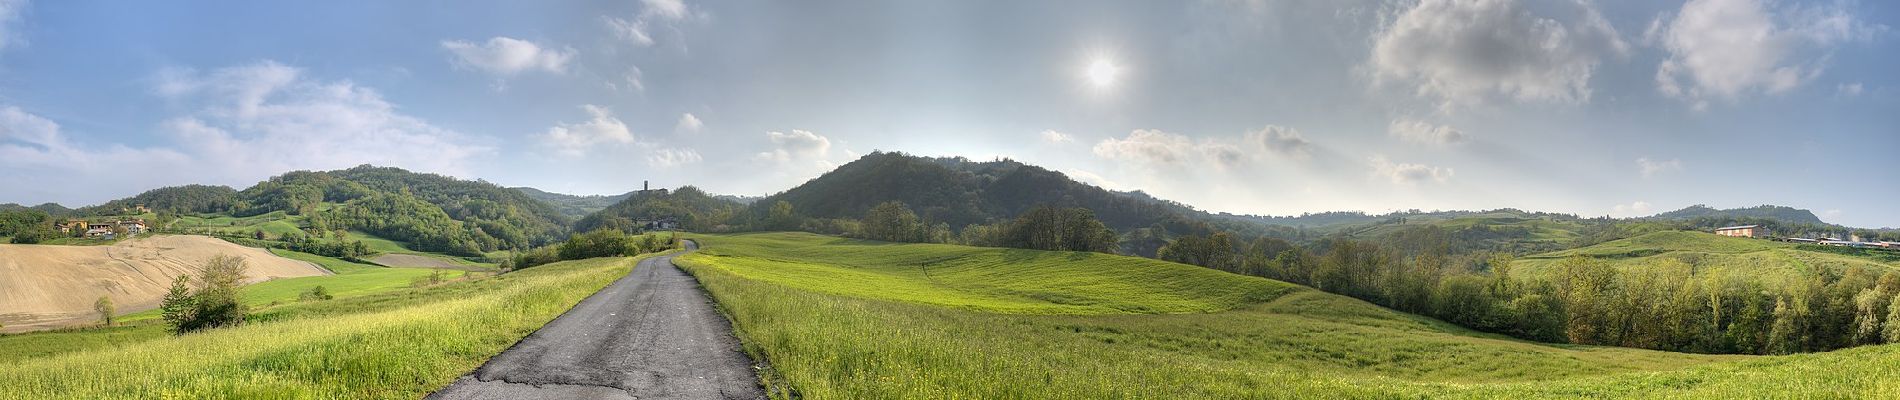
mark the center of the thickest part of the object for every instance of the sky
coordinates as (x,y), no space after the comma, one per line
(1624,108)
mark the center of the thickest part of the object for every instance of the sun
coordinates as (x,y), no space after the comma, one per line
(1101,73)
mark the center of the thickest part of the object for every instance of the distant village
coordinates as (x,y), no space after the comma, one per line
(1761,232)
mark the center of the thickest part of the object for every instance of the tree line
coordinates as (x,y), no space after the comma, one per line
(1666,305)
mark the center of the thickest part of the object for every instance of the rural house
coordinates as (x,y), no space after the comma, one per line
(1748,231)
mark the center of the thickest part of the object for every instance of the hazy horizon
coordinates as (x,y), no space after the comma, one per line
(1262,107)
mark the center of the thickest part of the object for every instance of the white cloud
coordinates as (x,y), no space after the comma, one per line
(1407,174)
(653,13)
(629,81)
(10,15)
(28,141)
(241,125)
(1728,49)
(1416,131)
(1093,179)
(1650,167)
(796,146)
(1156,148)
(1280,139)
(1849,89)
(267,118)
(1053,137)
(1633,209)
(1465,51)
(669,158)
(689,124)
(600,128)
(1151,147)
(507,56)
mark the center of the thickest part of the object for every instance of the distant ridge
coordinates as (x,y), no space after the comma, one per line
(1783,214)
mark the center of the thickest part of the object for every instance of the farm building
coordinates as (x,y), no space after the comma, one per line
(1749,231)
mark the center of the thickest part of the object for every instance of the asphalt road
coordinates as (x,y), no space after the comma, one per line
(652,334)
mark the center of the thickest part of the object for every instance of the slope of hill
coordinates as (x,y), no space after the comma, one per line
(1769,261)
(865,336)
(572,206)
(45,286)
(399,344)
(50,208)
(692,208)
(1782,214)
(430,212)
(961,192)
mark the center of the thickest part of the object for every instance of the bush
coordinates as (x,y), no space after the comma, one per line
(318,293)
(214,301)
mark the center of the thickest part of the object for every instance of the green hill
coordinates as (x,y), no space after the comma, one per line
(1768,261)
(842,318)
(1783,214)
(692,208)
(573,206)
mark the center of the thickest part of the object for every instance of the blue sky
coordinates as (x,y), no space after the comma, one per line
(1262,107)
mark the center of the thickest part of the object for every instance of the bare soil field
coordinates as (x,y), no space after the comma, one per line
(48,286)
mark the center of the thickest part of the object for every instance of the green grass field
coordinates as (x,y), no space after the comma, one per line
(1770,261)
(400,344)
(999,323)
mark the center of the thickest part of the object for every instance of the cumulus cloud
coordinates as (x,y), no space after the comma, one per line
(268,117)
(669,158)
(1650,167)
(30,142)
(689,124)
(1162,149)
(1465,51)
(1093,179)
(1633,209)
(1728,49)
(796,146)
(1279,139)
(10,12)
(507,56)
(240,124)
(1153,147)
(1053,137)
(1417,131)
(665,14)
(1406,173)
(600,128)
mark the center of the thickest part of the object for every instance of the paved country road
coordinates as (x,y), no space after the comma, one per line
(652,334)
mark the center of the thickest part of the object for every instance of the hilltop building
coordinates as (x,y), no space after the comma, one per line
(647,187)
(1748,231)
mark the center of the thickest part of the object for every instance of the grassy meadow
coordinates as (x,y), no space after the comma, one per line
(395,344)
(1770,261)
(939,321)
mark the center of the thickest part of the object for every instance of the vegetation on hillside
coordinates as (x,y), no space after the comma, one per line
(598,243)
(845,319)
(572,206)
(692,208)
(401,344)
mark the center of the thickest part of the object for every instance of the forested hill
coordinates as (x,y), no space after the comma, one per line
(960,192)
(428,211)
(692,208)
(574,206)
(49,208)
(1783,214)
(187,199)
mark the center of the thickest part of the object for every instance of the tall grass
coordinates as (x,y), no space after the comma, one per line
(397,345)
(833,341)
